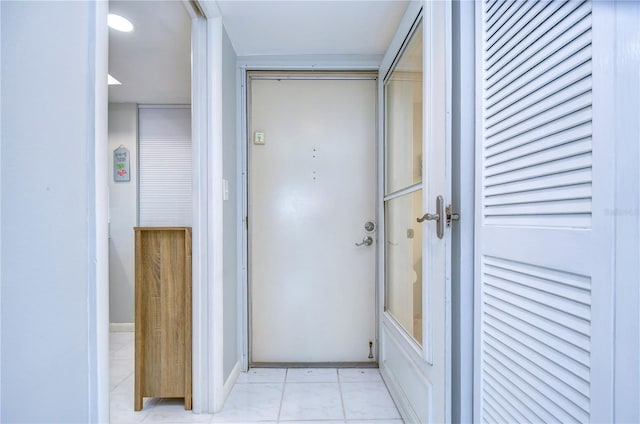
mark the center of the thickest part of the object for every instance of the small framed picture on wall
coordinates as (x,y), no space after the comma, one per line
(121,164)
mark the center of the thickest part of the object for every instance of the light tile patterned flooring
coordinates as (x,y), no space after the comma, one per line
(263,395)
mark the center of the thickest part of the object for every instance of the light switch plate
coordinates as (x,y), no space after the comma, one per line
(258,137)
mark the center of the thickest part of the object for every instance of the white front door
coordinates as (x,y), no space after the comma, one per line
(415,323)
(312,145)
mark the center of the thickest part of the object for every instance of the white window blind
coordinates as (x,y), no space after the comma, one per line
(165,170)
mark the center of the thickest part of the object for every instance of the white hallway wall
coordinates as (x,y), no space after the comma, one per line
(232,331)
(53,218)
(123,198)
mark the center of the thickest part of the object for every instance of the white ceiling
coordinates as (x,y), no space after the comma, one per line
(153,61)
(308,27)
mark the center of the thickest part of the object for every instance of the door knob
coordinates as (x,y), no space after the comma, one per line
(438,217)
(367,241)
(369,226)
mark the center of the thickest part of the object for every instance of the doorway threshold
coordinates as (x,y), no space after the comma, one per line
(313,365)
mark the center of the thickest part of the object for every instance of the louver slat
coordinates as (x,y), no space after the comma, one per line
(553,182)
(499,12)
(539,404)
(165,173)
(527,108)
(510,14)
(575,328)
(519,60)
(546,195)
(511,21)
(576,386)
(551,401)
(561,165)
(500,389)
(536,339)
(519,357)
(509,150)
(537,116)
(547,114)
(521,37)
(503,402)
(491,6)
(563,151)
(555,128)
(574,358)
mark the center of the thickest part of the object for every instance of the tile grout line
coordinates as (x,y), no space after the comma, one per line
(344,412)
(284,386)
(121,382)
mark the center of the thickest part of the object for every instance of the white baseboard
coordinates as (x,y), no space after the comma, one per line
(122,327)
(231,381)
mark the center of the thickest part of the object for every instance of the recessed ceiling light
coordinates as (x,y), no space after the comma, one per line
(112,80)
(119,23)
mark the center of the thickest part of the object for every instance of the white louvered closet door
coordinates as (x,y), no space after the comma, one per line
(165,170)
(543,235)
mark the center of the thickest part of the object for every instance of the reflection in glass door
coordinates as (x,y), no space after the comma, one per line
(403,91)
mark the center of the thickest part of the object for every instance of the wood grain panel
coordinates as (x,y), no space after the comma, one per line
(163,314)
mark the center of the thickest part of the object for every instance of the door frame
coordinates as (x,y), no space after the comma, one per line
(207,284)
(208,384)
(463,128)
(333,68)
(314,75)
(98,280)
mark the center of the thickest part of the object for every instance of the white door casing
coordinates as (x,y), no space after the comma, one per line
(544,249)
(419,376)
(311,191)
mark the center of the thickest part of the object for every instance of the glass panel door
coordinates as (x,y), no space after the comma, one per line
(403,95)
(404,262)
(403,187)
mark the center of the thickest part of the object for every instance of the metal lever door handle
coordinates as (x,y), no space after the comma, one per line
(429,217)
(367,241)
(438,217)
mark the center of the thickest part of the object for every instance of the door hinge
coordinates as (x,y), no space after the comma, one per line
(451,216)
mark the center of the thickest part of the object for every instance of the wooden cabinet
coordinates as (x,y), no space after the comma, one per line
(163,314)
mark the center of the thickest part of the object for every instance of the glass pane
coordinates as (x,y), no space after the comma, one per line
(404,262)
(403,109)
